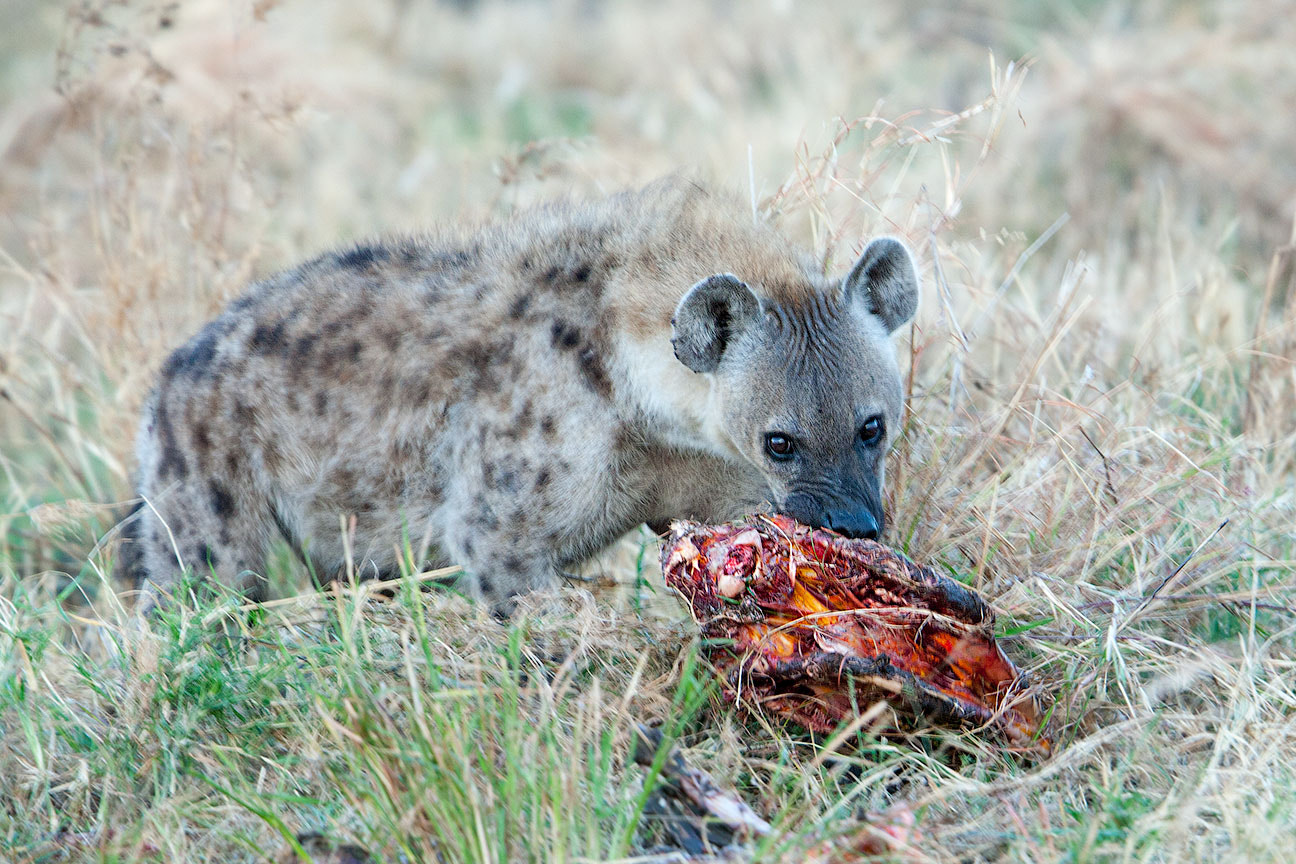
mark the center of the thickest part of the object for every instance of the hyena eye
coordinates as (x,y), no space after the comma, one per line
(779,446)
(873,430)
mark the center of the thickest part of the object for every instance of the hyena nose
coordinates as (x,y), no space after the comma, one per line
(854,523)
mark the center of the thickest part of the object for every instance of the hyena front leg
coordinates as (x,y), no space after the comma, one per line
(200,524)
(503,554)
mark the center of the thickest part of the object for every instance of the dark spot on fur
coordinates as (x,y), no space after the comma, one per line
(563,335)
(472,355)
(551,275)
(486,586)
(329,361)
(172,461)
(410,254)
(202,441)
(321,402)
(581,273)
(434,284)
(194,358)
(625,438)
(244,413)
(232,462)
(475,364)
(548,426)
(520,305)
(391,338)
(362,256)
(207,555)
(417,395)
(513,564)
(346,480)
(268,338)
(302,348)
(502,354)
(222,503)
(542,479)
(594,373)
(402,451)
(339,359)
(453,260)
(468,546)
(486,518)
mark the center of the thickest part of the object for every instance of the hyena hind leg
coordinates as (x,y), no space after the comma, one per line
(215,532)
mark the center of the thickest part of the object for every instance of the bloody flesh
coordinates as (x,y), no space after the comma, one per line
(816,627)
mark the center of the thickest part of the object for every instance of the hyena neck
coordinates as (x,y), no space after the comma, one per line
(674,405)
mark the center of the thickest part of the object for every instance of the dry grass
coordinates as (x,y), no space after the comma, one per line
(1100,438)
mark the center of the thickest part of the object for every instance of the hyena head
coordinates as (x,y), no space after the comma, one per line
(807,389)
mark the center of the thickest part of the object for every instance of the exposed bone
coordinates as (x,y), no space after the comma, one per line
(706,823)
(697,790)
(729,585)
(682,551)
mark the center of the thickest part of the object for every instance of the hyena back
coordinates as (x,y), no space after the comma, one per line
(515,399)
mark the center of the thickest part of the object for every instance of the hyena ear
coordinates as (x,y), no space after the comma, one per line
(886,280)
(708,317)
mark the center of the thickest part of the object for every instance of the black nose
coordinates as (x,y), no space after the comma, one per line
(854,523)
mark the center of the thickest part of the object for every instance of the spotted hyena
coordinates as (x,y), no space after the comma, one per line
(516,398)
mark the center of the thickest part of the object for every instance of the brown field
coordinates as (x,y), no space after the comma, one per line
(1101,438)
